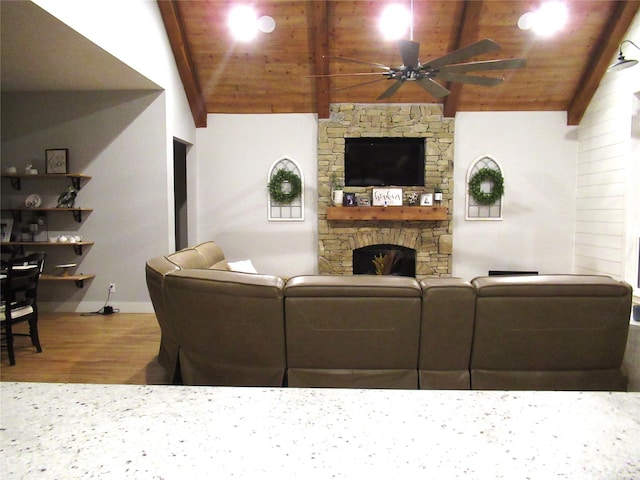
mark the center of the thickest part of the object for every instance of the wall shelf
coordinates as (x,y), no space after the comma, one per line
(16,179)
(77,246)
(387,213)
(78,279)
(76,212)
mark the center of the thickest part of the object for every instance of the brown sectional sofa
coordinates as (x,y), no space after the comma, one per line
(352,331)
(548,332)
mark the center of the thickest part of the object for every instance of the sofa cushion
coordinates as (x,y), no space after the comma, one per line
(448,308)
(549,323)
(230,327)
(211,253)
(221,265)
(188,258)
(352,331)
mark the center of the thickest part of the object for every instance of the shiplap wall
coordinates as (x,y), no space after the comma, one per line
(607,176)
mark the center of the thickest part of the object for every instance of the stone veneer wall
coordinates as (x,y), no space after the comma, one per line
(432,240)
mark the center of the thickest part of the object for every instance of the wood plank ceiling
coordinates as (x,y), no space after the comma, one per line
(273,73)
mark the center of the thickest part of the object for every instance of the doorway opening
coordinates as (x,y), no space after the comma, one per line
(181,230)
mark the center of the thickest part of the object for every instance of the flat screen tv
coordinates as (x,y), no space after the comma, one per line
(384,162)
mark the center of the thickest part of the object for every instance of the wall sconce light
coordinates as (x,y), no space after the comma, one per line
(622,62)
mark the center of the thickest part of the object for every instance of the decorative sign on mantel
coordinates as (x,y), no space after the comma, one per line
(383,197)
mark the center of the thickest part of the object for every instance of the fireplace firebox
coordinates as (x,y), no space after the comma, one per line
(384,259)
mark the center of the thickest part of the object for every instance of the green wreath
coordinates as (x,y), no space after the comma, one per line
(275,186)
(486,175)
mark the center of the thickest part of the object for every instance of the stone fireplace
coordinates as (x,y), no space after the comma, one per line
(430,239)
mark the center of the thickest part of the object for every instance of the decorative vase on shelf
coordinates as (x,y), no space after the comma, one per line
(337,197)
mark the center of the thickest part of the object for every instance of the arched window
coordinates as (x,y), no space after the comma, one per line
(286,211)
(476,210)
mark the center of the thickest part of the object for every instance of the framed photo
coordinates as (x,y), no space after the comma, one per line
(57,160)
(6,225)
(349,200)
(362,199)
(426,200)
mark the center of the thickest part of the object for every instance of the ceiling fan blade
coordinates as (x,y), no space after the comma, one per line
(363,74)
(472,50)
(409,51)
(353,60)
(391,90)
(458,77)
(432,87)
(358,85)
(486,65)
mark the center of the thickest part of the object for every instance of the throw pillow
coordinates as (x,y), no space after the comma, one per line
(244,266)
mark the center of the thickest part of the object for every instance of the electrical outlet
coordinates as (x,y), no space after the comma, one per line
(112,288)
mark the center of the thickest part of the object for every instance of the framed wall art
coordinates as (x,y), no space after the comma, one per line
(426,200)
(57,160)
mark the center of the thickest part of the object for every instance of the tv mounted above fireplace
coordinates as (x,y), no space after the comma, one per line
(384,161)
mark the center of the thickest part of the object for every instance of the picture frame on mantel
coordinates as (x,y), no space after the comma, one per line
(426,200)
(349,200)
(57,161)
(384,197)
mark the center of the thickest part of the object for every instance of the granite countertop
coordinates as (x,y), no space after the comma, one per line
(169,432)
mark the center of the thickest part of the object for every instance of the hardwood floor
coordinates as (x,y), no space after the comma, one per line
(117,349)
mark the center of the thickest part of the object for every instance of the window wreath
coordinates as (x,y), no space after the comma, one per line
(497,188)
(276,191)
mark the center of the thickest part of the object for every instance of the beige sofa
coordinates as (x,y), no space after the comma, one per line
(548,332)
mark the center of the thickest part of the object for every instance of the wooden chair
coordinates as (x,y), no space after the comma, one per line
(19,299)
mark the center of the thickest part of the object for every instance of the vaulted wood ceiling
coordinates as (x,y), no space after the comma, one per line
(273,74)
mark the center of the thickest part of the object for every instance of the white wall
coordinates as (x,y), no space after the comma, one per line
(608,207)
(114,137)
(133,32)
(125,141)
(537,153)
(235,153)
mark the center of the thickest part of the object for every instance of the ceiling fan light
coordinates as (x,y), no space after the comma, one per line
(394,22)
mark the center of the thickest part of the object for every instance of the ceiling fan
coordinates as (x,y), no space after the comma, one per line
(446,68)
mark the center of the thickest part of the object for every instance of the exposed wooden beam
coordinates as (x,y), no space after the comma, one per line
(169,10)
(618,24)
(320,51)
(467,33)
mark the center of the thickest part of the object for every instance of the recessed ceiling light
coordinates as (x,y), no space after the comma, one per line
(549,19)
(394,22)
(243,23)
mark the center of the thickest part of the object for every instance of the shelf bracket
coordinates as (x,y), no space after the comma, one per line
(75,181)
(15,183)
(77,249)
(80,283)
(77,215)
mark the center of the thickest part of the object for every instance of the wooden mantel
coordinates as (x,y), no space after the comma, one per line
(387,213)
